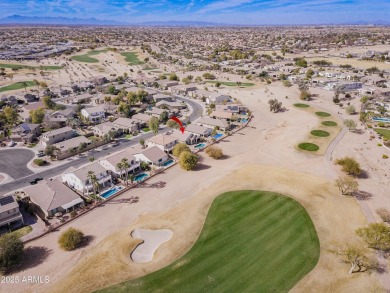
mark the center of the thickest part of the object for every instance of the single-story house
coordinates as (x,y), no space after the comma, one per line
(126,124)
(53,196)
(142,119)
(213,123)
(170,105)
(186,137)
(199,130)
(153,155)
(221,115)
(72,143)
(104,128)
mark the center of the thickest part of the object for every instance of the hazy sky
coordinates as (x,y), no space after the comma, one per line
(222,11)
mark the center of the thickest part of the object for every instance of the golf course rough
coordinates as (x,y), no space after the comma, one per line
(252,241)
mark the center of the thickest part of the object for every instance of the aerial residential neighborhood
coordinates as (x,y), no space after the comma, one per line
(242,146)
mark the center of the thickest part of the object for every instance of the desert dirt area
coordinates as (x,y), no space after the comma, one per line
(262,156)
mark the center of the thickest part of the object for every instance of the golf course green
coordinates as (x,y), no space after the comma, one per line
(17,86)
(320,133)
(310,147)
(300,105)
(323,114)
(132,58)
(252,241)
(329,123)
(86,58)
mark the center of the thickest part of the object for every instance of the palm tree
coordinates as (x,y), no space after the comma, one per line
(120,166)
(132,178)
(37,83)
(24,84)
(126,167)
(93,179)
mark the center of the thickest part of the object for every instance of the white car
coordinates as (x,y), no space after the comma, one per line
(12,144)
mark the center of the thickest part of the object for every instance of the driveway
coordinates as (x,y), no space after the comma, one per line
(14,162)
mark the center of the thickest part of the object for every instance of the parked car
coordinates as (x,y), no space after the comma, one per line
(12,144)
(35,181)
(40,154)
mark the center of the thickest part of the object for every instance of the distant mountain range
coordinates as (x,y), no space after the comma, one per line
(37,20)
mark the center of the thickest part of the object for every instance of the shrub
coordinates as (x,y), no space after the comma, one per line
(384,214)
(179,148)
(11,251)
(39,162)
(188,160)
(350,166)
(215,153)
(71,239)
(385,156)
(350,110)
(73,214)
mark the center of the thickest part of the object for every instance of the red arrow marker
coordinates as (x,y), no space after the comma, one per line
(182,128)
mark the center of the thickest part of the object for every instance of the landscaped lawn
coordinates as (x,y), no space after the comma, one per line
(21,66)
(384,132)
(146,129)
(16,86)
(306,146)
(230,83)
(329,123)
(128,136)
(323,114)
(87,57)
(132,58)
(252,241)
(320,133)
(300,105)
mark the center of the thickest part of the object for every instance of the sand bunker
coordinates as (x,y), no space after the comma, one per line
(152,239)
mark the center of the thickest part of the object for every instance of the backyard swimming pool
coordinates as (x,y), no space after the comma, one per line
(379,119)
(167,163)
(140,177)
(218,135)
(200,146)
(244,120)
(111,192)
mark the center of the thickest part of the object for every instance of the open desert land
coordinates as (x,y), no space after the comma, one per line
(260,157)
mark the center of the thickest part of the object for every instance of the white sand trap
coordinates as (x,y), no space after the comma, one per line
(152,239)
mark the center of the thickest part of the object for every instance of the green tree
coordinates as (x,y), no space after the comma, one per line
(300,62)
(346,185)
(153,124)
(179,148)
(376,235)
(274,105)
(11,115)
(37,116)
(350,166)
(354,255)
(351,124)
(124,109)
(173,76)
(163,117)
(309,73)
(49,150)
(11,251)
(188,160)
(350,109)
(208,75)
(142,142)
(94,182)
(173,124)
(25,85)
(48,102)
(71,239)
(142,95)
(132,98)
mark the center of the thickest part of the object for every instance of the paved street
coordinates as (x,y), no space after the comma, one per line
(14,162)
(78,161)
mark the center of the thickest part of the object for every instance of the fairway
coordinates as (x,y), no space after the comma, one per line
(384,132)
(21,66)
(16,86)
(252,241)
(132,58)
(230,83)
(86,58)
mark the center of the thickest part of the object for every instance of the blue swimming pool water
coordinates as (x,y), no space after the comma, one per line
(379,119)
(111,192)
(200,146)
(244,120)
(218,135)
(140,177)
(167,163)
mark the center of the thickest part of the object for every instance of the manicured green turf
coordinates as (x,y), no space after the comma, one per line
(323,114)
(230,83)
(16,86)
(86,58)
(146,129)
(306,146)
(252,241)
(320,133)
(300,105)
(21,66)
(384,132)
(132,58)
(329,123)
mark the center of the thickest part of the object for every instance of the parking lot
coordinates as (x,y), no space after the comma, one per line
(14,162)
